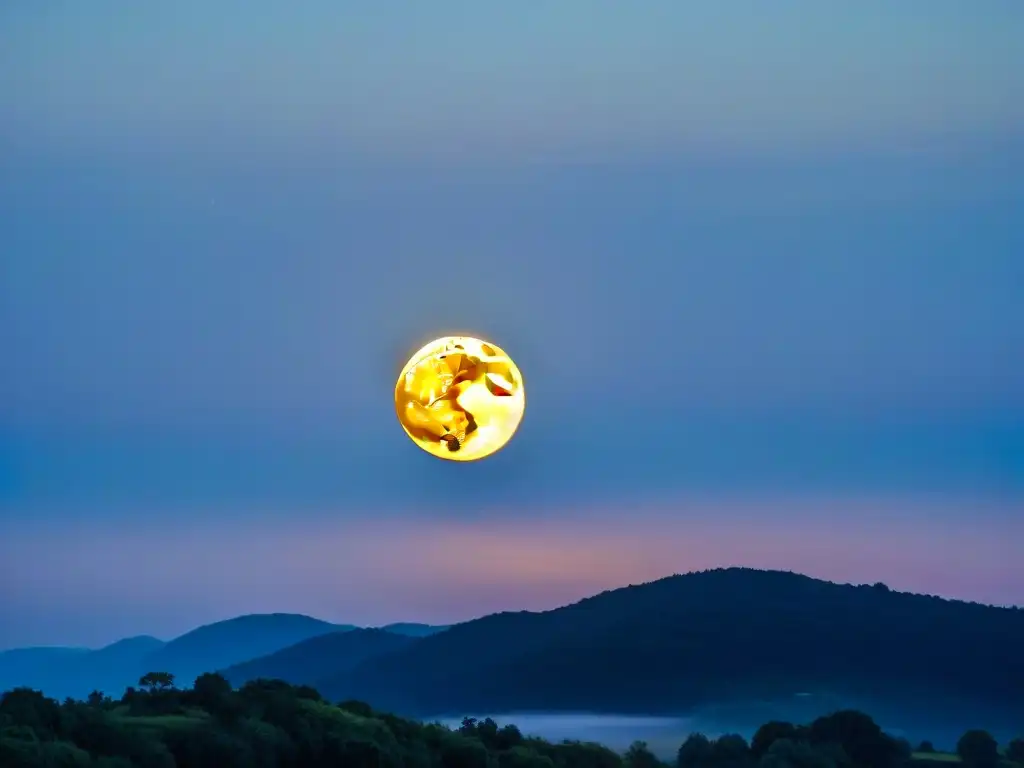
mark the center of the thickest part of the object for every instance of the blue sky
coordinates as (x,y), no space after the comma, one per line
(759,268)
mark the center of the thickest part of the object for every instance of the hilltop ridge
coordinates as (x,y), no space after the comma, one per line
(675,642)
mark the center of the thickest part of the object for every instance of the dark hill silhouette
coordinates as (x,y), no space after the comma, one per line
(325,657)
(223,643)
(414,630)
(685,640)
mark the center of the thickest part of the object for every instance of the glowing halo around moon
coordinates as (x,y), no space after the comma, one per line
(460,398)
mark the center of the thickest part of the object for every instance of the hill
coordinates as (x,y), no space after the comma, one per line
(140,645)
(414,630)
(109,669)
(223,643)
(671,644)
(37,667)
(325,657)
(76,672)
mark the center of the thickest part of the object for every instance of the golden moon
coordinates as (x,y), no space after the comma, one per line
(460,398)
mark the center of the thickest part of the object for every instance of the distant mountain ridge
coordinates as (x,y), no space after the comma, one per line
(62,671)
(31,666)
(218,645)
(664,647)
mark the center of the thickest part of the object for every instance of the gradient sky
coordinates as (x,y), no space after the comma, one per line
(761,268)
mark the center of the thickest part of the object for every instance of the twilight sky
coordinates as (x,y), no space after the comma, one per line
(762,270)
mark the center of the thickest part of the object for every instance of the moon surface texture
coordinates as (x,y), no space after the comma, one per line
(460,398)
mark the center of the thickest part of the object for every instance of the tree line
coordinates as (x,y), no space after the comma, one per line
(271,723)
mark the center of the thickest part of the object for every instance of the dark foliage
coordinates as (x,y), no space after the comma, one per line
(860,737)
(1015,751)
(271,723)
(695,752)
(977,749)
(771,732)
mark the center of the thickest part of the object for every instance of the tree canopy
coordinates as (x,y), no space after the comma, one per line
(269,723)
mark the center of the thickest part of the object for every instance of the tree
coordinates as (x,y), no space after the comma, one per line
(1015,751)
(98,699)
(29,708)
(275,723)
(786,753)
(210,687)
(360,708)
(731,751)
(508,736)
(925,747)
(575,754)
(977,749)
(487,732)
(213,693)
(904,749)
(156,681)
(520,757)
(639,756)
(768,734)
(860,737)
(695,752)
(308,692)
(464,753)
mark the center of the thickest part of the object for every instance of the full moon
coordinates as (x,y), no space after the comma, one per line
(460,398)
